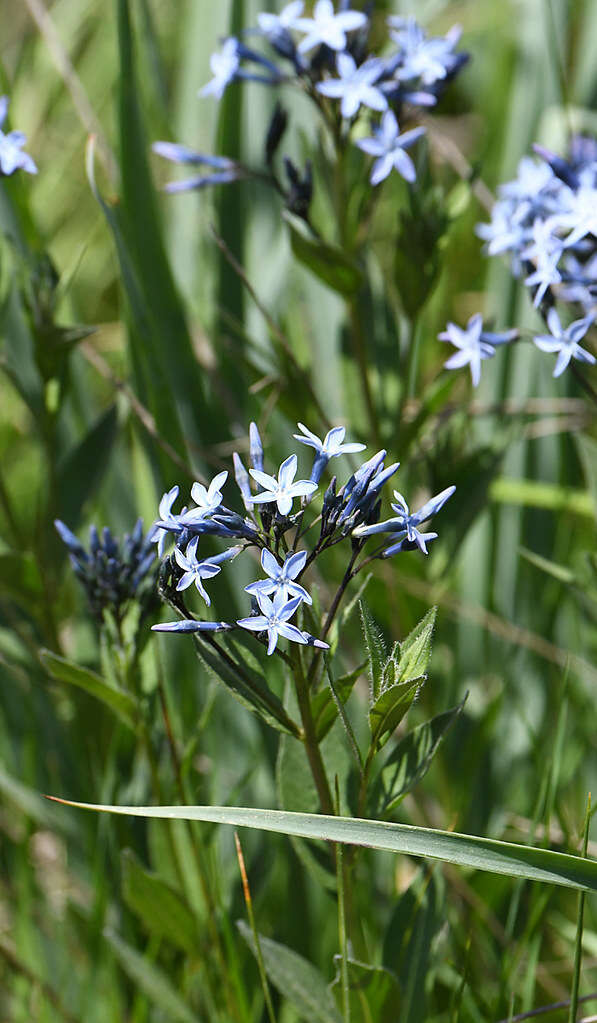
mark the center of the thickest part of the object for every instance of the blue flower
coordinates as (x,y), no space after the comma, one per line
(282,490)
(226,170)
(355,86)
(473,344)
(207,499)
(565,341)
(421,57)
(281,577)
(388,145)
(243,481)
(12,157)
(224,67)
(274,620)
(195,570)
(404,527)
(330,447)
(326,28)
(276,27)
(167,522)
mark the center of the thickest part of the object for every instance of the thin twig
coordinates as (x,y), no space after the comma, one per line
(73,83)
(551,1008)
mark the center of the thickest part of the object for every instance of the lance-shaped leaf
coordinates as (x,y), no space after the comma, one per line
(119,701)
(410,760)
(296,979)
(464,850)
(376,651)
(148,978)
(414,652)
(249,687)
(388,710)
(159,906)
(326,261)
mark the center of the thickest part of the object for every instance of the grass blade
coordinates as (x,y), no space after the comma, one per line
(464,850)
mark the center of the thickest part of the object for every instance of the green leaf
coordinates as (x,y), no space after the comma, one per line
(410,760)
(295,978)
(250,688)
(552,568)
(150,980)
(81,471)
(74,675)
(177,393)
(376,651)
(323,705)
(374,991)
(326,261)
(388,710)
(415,650)
(161,908)
(464,850)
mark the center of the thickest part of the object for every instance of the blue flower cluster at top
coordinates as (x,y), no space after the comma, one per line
(546,221)
(112,573)
(326,55)
(352,512)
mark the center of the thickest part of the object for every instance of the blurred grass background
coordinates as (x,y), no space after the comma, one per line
(198,355)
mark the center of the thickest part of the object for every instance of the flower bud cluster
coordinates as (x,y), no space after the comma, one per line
(112,572)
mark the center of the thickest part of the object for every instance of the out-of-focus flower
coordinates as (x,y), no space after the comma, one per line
(326,28)
(388,145)
(564,341)
(12,157)
(474,344)
(355,85)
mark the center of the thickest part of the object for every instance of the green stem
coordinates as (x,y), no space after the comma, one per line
(310,738)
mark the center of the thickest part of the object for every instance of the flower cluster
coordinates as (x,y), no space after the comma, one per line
(326,56)
(12,157)
(112,573)
(546,221)
(278,533)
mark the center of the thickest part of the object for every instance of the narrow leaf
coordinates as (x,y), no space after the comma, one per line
(376,651)
(327,262)
(161,908)
(389,709)
(415,650)
(150,980)
(295,978)
(411,759)
(464,850)
(73,674)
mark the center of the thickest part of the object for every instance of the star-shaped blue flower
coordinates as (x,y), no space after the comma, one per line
(207,499)
(326,28)
(196,570)
(276,27)
(564,341)
(474,344)
(355,85)
(274,620)
(12,157)
(281,577)
(282,490)
(224,68)
(405,526)
(388,145)
(330,447)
